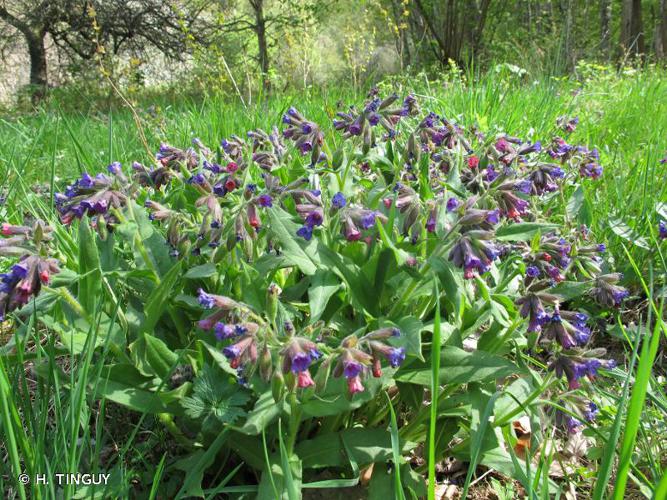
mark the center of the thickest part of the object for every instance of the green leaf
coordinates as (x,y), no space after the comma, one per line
(158,300)
(159,356)
(323,285)
(90,283)
(624,231)
(215,400)
(410,338)
(661,209)
(200,272)
(365,445)
(265,412)
(136,399)
(569,290)
(280,480)
(523,231)
(334,399)
(360,289)
(575,203)
(296,252)
(459,367)
(74,335)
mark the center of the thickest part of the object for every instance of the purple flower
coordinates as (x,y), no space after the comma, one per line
(525,186)
(352,368)
(452,204)
(493,216)
(231,352)
(207,301)
(490,175)
(213,167)
(300,361)
(115,168)
(224,331)
(367,220)
(591,412)
(601,248)
(197,179)
(532,271)
(86,181)
(306,232)
(338,200)
(313,219)
(662,230)
(265,201)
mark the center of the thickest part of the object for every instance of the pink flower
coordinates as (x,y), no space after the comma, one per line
(305,380)
(354,385)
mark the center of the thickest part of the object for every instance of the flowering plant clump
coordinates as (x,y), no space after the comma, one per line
(311,277)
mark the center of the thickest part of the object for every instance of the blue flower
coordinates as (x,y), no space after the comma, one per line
(306,232)
(338,200)
(396,356)
(532,271)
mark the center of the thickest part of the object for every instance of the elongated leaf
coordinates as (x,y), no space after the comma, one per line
(624,231)
(203,271)
(570,289)
(159,356)
(323,285)
(265,412)
(366,446)
(159,299)
(575,203)
(523,231)
(459,367)
(296,252)
(90,283)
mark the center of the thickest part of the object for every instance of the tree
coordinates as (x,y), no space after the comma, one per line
(79,27)
(454,26)
(267,21)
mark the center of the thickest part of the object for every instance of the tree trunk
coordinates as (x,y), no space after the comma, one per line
(605,26)
(38,69)
(34,38)
(632,35)
(479,31)
(663,27)
(263,51)
(638,27)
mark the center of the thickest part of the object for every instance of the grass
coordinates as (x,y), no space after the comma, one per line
(625,116)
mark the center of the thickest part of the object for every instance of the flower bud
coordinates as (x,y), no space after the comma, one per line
(277,386)
(272,297)
(265,364)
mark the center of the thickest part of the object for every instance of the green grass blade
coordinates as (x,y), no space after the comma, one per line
(435,391)
(396,452)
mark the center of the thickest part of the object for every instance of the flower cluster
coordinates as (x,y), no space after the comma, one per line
(295,354)
(94,196)
(33,269)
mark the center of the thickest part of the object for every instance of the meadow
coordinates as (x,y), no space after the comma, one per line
(84,387)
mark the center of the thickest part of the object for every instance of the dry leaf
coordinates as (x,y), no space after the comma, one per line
(365,476)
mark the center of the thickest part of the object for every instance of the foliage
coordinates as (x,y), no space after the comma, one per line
(303,265)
